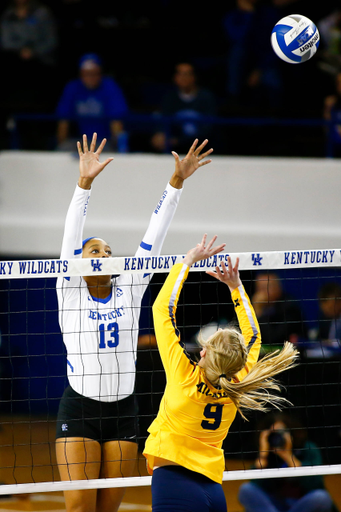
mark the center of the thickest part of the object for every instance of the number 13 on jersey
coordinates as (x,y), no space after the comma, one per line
(108,335)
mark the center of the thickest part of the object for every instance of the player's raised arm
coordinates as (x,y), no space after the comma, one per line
(89,164)
(164,212)
(247,319)
(89,168)
(165,306)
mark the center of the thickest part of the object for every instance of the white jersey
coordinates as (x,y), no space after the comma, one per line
(101,335)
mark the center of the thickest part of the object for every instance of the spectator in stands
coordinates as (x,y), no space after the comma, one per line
(330,305)
(278,315)
(253,73)
(332,114)
(95,103)
(330,50)
(283,443)
(28,52)
(187,102)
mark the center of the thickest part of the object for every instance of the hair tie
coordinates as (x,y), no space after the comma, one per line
(222,375)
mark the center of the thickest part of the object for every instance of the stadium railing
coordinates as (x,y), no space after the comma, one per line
(147,123)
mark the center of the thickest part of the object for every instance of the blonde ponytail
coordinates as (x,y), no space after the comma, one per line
(226,355)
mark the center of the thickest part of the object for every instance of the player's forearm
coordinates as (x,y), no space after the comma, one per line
(74,223)
(159,223)
(164,316)
(85,183)
(176,181)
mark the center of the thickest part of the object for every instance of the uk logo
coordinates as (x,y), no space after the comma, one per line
(96,265)
(257,259)
(65,427)
(119,292)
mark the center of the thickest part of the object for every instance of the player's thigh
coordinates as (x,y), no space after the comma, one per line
(118,460)
(79,459)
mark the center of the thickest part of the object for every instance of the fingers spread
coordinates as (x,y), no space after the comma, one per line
(194,145)
(205,163)
(202,145)
(107,161)
(85,143)
(93,142)
(79,147)
(101,146)
(203,241)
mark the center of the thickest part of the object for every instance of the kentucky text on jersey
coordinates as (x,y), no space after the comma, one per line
(96,315)
(298,257)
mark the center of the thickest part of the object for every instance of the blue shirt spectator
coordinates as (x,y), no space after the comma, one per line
(187,103)
(94,102)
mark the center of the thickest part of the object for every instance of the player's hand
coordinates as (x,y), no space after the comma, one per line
(202,251)
(193,160)
(89,164)
(228,275)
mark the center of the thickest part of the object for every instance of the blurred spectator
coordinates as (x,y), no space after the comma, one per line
(187,102)
(237,25)
(253,70)
(282,443)
(91,103)
(330,51)
(279,317)
(330,305)
(28,52)
(332,114)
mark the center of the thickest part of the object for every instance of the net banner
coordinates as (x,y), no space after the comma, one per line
(135,265)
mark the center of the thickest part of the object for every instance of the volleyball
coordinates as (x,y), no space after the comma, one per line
(295,39)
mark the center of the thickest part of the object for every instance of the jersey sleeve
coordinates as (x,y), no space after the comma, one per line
(176,361)
(74,224)
(73,236)
(248,324)
(159,223)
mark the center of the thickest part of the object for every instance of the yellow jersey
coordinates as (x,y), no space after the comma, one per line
(194,417)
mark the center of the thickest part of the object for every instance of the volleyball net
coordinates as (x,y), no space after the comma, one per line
(296,295)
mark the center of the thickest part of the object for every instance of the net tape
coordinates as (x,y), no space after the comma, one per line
(143,481)
(153,264)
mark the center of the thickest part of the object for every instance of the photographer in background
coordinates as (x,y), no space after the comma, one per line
(283,443)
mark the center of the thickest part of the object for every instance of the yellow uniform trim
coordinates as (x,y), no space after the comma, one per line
(194,417)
